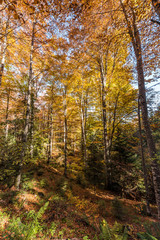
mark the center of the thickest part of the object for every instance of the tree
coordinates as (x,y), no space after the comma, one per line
(156,5)
(136,42)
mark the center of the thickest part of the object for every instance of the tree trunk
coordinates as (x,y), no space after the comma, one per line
(65,130)
(104,120)
(143,162)
(156,5)
(83,128)
(50,133)
(136,42)
(7,113)
(32,90)
(28,127)
(4,51)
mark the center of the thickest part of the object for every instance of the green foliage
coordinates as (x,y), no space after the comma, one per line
(10,155)
(80,179)
(18,230)
(43,183)
(118,210)
(146,236)
(95,165)
(86,238)
(52,229)
(38,142)
(123,146)
(152,231)
(62,185)
(28,184)
(118,232)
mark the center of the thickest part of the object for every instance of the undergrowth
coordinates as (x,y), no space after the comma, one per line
(19,230)
(66,212)
(117,232)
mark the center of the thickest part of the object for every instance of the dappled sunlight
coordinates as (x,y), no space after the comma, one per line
(79,120)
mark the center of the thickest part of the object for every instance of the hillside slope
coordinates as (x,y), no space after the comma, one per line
(68,210)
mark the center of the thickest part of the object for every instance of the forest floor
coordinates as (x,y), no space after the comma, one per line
(73,212)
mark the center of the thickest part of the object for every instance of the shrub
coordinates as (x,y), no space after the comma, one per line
(118,209)
(80,179)
(43,183)
(62,185)
(141,209)
(102,208)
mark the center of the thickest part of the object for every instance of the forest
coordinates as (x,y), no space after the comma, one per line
(79,119)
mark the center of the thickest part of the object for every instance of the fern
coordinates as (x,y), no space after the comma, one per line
(125,234)
(156,227)
(18,230)
(105,231)
(141,236)
(34,227)
(42,210)
(146,236)
(115,233)
(152,232)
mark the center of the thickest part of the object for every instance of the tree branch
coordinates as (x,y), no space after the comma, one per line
(155,21)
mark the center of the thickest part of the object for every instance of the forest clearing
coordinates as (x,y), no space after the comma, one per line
(79,119)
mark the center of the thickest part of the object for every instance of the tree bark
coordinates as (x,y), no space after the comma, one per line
(28,126)
(7,113)
(65,130)
(32,90)
(136,42)
(104,120)
(143,162)
(4,51)
(50,133)
(83,128)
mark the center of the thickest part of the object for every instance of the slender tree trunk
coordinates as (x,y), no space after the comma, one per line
(1,30)
(32,122)
(4,51)
(136,42)
(75,144)
(28,126)
(32,95)
(104,119)
(49,139)
(50,133)
(110,135)
(7,113)
(65,130)
(83,128)
(85,131)
(143,162)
